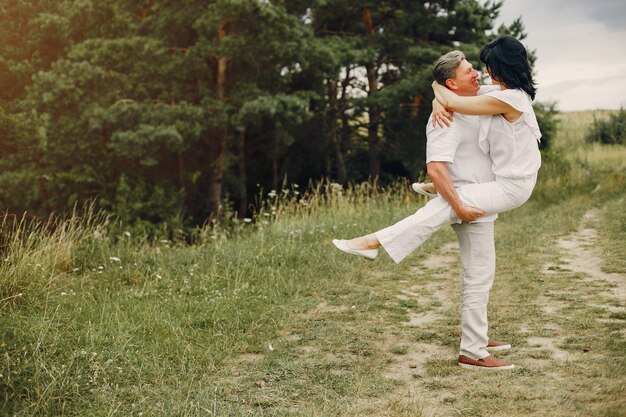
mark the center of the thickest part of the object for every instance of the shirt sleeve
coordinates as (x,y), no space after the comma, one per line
(484,89)
(522,102)
(441,142)
(515,98)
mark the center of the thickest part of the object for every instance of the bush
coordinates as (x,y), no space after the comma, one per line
(548,124)
(609,131)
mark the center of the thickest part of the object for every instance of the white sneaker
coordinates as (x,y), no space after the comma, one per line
(417,187)
(342,245)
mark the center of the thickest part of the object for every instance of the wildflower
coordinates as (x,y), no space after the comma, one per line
(114,259)
(272,194)
(158,276)
(127,233)
(270,347)
(247,220)
(100,267)
(296,186)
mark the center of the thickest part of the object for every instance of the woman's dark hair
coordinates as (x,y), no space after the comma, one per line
(507,62)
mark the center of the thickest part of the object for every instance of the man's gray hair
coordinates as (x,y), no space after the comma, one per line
(446,66)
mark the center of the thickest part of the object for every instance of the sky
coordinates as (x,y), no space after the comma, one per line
(580,47)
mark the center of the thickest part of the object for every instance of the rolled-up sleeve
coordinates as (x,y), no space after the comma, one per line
(441,143)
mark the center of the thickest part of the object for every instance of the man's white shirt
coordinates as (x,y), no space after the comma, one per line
(458,146)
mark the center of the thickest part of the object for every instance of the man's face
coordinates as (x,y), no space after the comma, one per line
(465,81)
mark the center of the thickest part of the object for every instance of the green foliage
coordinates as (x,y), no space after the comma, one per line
(609,131)
(210,102)
(548,122)
(145,207)
(20,174)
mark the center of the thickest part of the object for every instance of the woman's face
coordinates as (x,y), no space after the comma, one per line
(493,80)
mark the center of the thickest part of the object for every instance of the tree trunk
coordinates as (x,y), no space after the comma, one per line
(217,144)
(374,121)
(346,129)
(374,112)
(275,163)
(44,196)
(181,169)
(333,128)
(216,172)
(241,174)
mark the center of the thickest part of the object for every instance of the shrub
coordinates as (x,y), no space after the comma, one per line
(548,124)
(609,131)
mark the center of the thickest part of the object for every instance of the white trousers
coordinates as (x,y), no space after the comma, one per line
(497,196)
(478,255)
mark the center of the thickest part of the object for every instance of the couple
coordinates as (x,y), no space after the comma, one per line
(483,163)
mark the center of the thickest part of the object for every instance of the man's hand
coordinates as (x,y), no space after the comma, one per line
(469,214)
(441,115)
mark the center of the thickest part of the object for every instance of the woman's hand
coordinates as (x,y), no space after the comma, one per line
(441,115)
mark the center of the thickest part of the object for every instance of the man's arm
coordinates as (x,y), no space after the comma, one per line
(438,173)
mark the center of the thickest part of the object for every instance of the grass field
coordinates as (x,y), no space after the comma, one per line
(272,321)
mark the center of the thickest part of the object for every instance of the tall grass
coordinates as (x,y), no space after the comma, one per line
(573,165)
(36,253)
(87,306)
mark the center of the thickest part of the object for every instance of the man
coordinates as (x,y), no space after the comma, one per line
(454,159)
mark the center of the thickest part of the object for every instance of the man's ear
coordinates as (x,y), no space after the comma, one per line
(450,84)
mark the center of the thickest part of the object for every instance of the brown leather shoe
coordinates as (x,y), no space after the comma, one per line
(488,363)
(494,346)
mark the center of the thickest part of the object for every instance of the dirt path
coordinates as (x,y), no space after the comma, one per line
(542,339)
(438,291)
(581,254)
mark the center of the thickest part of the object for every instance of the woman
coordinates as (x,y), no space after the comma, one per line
(508,133)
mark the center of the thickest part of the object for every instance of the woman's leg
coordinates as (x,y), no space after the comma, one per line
(402,238)
(364,242)
(493,197)
(498,196)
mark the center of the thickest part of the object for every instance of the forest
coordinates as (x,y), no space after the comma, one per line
(183,112)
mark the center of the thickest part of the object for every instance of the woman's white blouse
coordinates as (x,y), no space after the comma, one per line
(513,147)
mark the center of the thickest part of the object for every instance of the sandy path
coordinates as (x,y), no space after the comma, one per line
(578,252)
(444,270)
